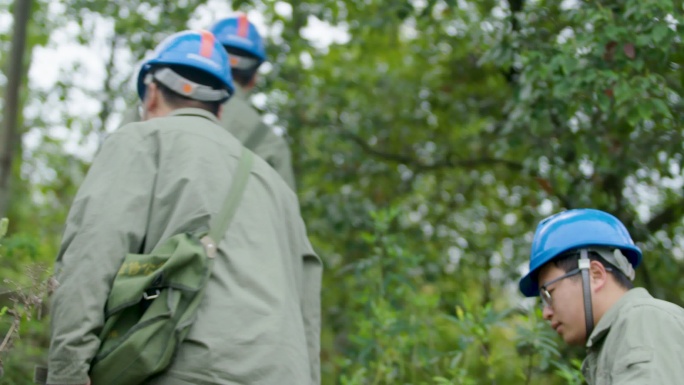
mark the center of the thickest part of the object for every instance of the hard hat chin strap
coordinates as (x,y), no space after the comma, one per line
(584,265)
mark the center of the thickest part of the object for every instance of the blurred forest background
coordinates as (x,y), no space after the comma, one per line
(429,138)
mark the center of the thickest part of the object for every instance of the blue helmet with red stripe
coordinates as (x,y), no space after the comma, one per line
(198,50)
(239,33)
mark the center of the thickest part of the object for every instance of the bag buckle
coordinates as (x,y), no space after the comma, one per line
(149,297)
(209,246)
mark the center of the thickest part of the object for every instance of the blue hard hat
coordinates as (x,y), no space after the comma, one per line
(196,49)
(575,229)
(238,32)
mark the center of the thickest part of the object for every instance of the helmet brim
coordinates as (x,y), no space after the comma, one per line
(529,284)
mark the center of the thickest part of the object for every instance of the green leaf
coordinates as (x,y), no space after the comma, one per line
(4,224)
(660,32)
(660,107)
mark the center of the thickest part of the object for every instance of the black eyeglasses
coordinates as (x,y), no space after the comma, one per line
(545,294)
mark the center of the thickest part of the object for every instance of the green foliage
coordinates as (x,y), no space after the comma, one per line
(23,330)
(571,373)
(398,332)
(427,145)
(474,122)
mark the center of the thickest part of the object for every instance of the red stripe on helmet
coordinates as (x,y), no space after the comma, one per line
(207,43)
(243,26)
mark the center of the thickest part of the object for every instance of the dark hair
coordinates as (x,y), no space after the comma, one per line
(242,76)
(176,100)
(570,261)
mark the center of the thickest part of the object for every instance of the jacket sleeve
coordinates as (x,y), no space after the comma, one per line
(276,152)
(313,272)
(108,219)
(312,275)
(284,165)
(649,349)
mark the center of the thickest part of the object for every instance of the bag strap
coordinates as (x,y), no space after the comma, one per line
(220,222)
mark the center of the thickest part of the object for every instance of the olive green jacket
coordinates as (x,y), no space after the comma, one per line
(638,341)
(260,320)
(245,123)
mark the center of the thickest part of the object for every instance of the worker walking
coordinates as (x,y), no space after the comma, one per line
(169,178)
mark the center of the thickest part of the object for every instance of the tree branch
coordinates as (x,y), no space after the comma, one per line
(516,6)
(447,162)
(667,216)
(105,111)
(10,333)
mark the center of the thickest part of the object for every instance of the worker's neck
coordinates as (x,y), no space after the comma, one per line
(605,298)
(159,110)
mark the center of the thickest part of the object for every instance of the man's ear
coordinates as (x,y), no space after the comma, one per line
(598,275)
(151,101)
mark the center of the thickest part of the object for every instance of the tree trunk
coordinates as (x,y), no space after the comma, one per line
(105,110)
(9,131)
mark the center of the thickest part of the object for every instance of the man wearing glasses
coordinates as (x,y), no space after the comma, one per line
(582,266)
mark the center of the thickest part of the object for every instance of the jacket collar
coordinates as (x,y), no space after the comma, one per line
(195,112)
(605,323)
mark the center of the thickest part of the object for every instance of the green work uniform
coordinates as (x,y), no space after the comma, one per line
(638,341)
(259,322)
(243,121)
